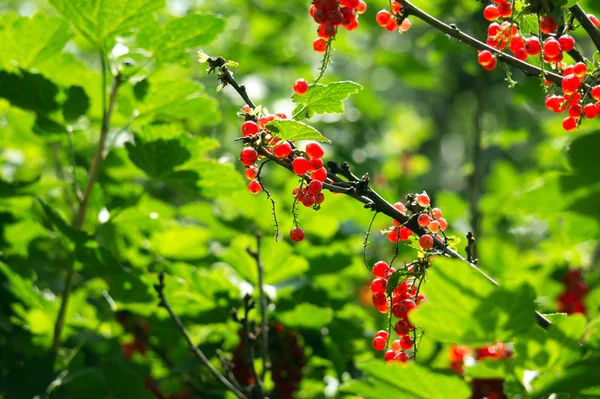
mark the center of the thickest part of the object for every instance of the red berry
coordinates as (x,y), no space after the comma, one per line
(320,45)
(485,57)
(378,343)
(423,220)
(516,42)
(335,17)
(575,111)
(254,187)
(251,172)
(319,198)
(596,93)
(315,163)
(314,150)
(396,347)
(569,123)
(552,47)
(361,8)
(249,128)
(406,342)
(421,298)
(491,13)
(396,7)
(437,213)
(319,174)
(567,42)
(282,150)
(380,268)
(383,334)
(264,120)
(521,54)
(405,232)
(494,29)
(533,45)
(405,25)
(378,285)
(490,66)
(574,99)
(315,187)
(580,69)
(426,241)
(320,16)
(385,308)
(300,86)
(394,236)
(392,25)
(326,31)
(402,327)
(308,200)
(312,10)
(383,17)
(590,111)
(249,156)
(434,226)
(404,307)
(300,166)
(379,299)
(297,234)
(443,224)
(548,25)
(505,10)
(401,357)
(423,200)
(594,20)
(570,84)
(388,356)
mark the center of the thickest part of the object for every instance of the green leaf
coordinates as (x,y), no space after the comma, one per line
(181,243)
(327,98)
(26,42)
(76,104)
(412,381)
(100,20)
(288,129)
(571,379)
(123,381)
(465,308)
(307,315)
(180,35)
(529,25)
(157,158)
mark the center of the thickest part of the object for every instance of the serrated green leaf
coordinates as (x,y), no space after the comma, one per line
(288,129)
(529,25)
(327,98)
(307,315)
(465,308)
(412,381)
(100,20)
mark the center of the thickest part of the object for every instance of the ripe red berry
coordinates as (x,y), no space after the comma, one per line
(380,268)
(423,220)
(335,17)
(596,93)
(570,84)
(437,213)
(319,174)
(402,327)
(319,198)
(443,224)
(485,57)
(300,166)
(251,172)
(426,241)
(249,128)
(320,45)
(404,307)
(573,100)
(406,342)
(378,285)
(314,150)
(282,150)
(249,156)
(388,356)
(405,25)
(326,31)
(254,187)
(383,334)
(297,234)
(320,16)
(533,45)
(394,235)
(396,346)
(567,42)
(315,163)
(594,20)
(300,86)
(312,10)
(521,54)
(494,29)
(392,25)
(315,187)
(548,25)
(379,299)
(505,10)
(491,13)
(516,43)
(405,232)
(552,47)
(378,343)
(590,111)
(575,111)
(396,7)
(490,66)
(421,298)
(308,200)
(569,123)
(401,357)
(383,17)
(434,226)
(361,8)
(580,69)
(423,200)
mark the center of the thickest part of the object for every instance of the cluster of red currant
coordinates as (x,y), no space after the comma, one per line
(389,19)
(571,300)
(552,51)
(331,14)
(404,298)
(490,388)
(429,218)
(287,360)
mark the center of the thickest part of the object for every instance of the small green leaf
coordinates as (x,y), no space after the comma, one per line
(327,98)
(529,25)
(288,129)
(76,104)
(307,315)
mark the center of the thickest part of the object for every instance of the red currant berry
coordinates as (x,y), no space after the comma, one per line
(300,166)
(396,346)
(548,25)
(326,31)
(249,128)
(297,234)
(262,122)
(383,17)
(394,236)
(575,111)
(552,47)
(380,268)
(426,241)
(437,213)
(378,343)
(254,187)
(361,8)
(385,308)
(402,328)
(314,150)
(516,43)
(401,357)
(491,13)
(423,200)
(443,224)
(405,232)
(505,10)
(300,86)
(421,298)
(594,20)
(335,17)
(320,16)
(580,69)
(406,342)
(423,220)
(315,163)
(320,45)
(383,334)
(405,306)
(392,25)
(405,25)
(249,156)
(283,150)
(569,123)
(494,29)
(570,84)
(319,174)
(379,299)
(388,356)
(567,42)
(573,100)
(485,58)
(521,54)
(312,10)
(378,285)
(308,200)
(533,45)
(596,93)
(315,187)
(434,226)
(251,172)
(319,198)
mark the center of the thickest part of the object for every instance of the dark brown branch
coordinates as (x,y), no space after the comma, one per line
(264,322)
(587,24)
(160,287)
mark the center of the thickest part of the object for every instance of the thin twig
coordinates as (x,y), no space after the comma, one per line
(264,321)
(366,242)
(270,197)
(160,289)
(587,24)
(257,389)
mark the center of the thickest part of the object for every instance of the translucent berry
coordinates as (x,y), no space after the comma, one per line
(567,42)
(388,356)
(314,150)
(434,226)
(379,299)
(405,306)
(570,84)
(423,200)
(248,156)
(405,25)
(361,8)
(437,213)
(282,150)
(320,45)
(396,7)
(594,20)
(315,163)
(249,128)
(580,69)
(378,343)
(401,357)
(251,172)
(402,327)
(406,342)
(426,241)
(300,86)
(378,285)
(491,13)
(548,25)
(319,174)
(596,93)
(485,58)
(380,268)
(254,187)
(383,334)
(297,234)
(319,198)
(383,17)
(300,166)
(315,187)
(505,10)
(533,45)
(569,123)
(392,25)
(443,224)
(396,347)
(423,220)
